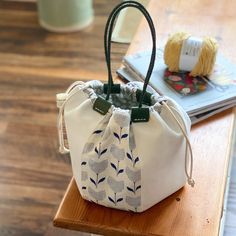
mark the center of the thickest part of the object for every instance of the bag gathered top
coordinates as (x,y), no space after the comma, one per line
(129,146)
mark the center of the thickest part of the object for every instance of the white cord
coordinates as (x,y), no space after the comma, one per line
(61,105)
(188,145)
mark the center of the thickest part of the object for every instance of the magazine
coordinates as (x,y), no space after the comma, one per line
(201,97)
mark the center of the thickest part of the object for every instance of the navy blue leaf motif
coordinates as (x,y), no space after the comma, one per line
(83,187)
(101,180)
(97,131)
(93,181)
(120,171)
(119,199)
(113,166)
(129,156)
(136,159)
(104,151)
(83,163)
(124,136)
(116,135)
(138,187)
(130,189)
(111,200)
(96,150)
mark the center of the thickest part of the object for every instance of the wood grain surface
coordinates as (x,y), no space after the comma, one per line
(34,66)
(189,211)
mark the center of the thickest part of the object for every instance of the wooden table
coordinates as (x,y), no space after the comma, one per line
(190,211)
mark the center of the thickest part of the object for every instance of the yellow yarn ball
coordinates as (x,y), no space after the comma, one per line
(206,60)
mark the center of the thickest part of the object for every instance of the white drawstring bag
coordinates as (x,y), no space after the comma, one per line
(129,148)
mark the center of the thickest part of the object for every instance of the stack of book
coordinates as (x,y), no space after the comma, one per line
(201,97)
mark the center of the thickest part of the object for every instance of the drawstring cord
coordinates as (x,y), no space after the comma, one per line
(62,148)
(188,145)
(62,99)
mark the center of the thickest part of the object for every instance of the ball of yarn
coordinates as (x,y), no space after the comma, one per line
(206,59)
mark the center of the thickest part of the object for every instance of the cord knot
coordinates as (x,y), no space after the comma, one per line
(191,182)
(63,150)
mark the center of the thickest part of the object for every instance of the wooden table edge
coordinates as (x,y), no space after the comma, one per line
(88,228)
(94,229)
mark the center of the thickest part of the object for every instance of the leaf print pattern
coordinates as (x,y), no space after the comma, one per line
(101,180)
(133,159)
(98,196)
(98,167)
(97,181)
(117,153)
(97,131)
(124,136)
(116,135)
(116,168)
(115,200)
(110,169)
(134,201)
(133,176)
(116,186)
(99,150)
(134,188)
(103,151)
(83,163)
(94,182)
(121,117)
(120,136)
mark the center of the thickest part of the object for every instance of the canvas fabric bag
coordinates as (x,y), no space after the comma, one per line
(129,147)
